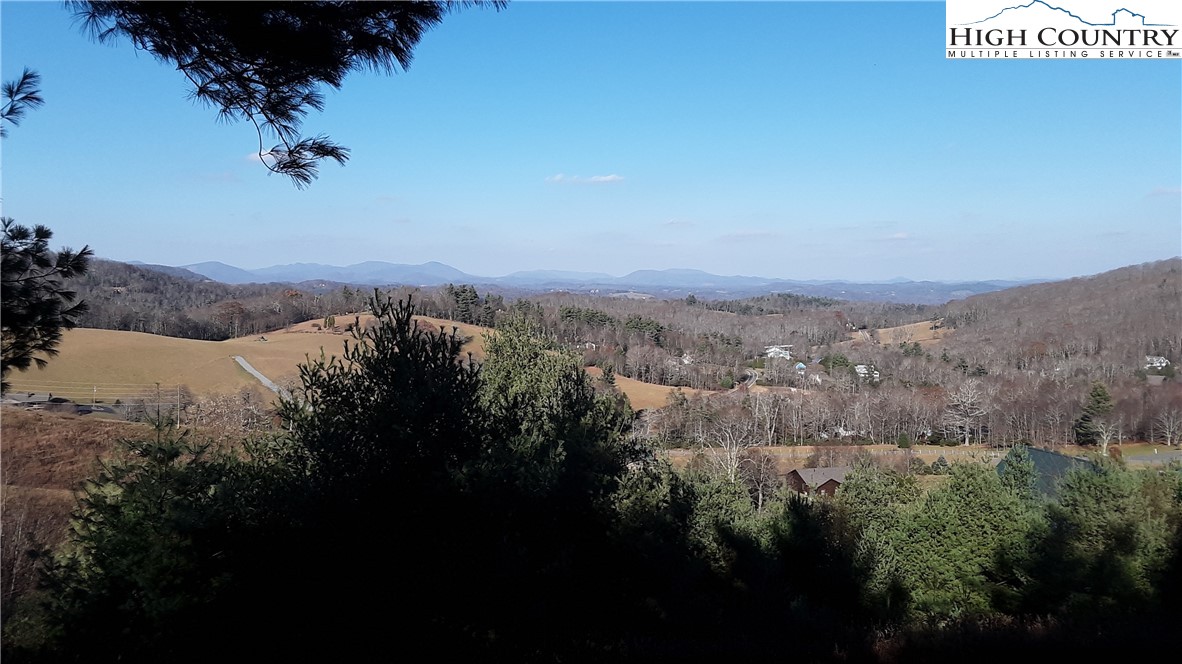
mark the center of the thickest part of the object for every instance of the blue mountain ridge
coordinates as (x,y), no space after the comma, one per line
(670,283)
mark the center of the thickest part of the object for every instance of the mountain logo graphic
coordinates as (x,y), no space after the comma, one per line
(1123,15)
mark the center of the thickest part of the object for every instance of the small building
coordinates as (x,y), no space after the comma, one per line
(1155,362)
(779,352)
(866,371)
(817,481)
(800,368)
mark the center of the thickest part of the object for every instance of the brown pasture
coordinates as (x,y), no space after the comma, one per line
(916,332)
(110,359)
(645,395)
(123,361)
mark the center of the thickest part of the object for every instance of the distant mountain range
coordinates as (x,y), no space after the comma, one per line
(673,283)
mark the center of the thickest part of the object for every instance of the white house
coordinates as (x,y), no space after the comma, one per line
(782,352)
(866,371)
(1155,362)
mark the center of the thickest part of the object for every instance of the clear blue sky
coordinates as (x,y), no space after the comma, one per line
(795,140)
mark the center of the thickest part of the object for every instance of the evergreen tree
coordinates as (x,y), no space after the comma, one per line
(1105,546)
(1019,474)
(948,546)
(941,466)
(36,304)
(1096,408)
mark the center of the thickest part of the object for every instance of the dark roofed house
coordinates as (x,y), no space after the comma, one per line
(1049,468)
(817,480)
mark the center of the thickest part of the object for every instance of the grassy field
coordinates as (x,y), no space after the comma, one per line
(645,395)
(119,363)
(892,336)
(122,363)
(915,332)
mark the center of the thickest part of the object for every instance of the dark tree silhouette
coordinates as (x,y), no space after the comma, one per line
(265,62)
(19,96)
(36,305)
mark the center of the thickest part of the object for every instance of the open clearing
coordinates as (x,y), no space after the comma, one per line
(116,361)
(645,395)
(916,332)
(111,359)
(921,333)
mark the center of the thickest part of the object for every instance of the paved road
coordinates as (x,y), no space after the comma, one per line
(262,379)
(749,378)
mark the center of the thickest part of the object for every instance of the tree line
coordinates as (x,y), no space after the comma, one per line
(120,296)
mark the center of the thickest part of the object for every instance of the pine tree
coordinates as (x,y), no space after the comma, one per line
(1097,407)
(1019,474)
(37,306)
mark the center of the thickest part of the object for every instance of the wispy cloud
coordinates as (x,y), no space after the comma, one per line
(898,237)
(579,179)
(748,237)
(1165,191)
(678,224)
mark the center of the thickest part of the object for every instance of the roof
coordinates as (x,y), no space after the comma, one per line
(815,477)
(1050,467)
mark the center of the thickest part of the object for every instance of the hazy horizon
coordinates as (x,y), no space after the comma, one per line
(852,278)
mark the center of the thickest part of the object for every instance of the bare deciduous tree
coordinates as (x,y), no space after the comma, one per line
(730,435)
(1168,426)
(1106,431)
(965,409)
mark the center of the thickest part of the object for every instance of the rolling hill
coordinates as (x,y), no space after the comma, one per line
(101,363)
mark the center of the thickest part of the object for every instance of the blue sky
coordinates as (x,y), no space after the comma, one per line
(794,140)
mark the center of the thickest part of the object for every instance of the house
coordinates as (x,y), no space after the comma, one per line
(800,368)
(817,481)
(780,352)
(866,371)
(1155,362)
(1049,468)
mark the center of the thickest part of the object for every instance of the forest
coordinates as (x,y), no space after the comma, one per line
(414,502)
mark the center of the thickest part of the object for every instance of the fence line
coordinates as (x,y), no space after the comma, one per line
(106,393)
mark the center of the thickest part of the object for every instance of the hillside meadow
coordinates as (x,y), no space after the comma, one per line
(114,361)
